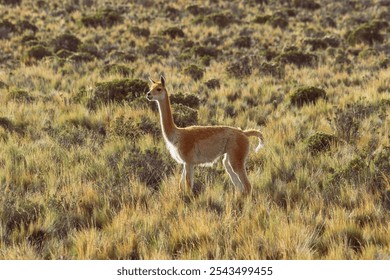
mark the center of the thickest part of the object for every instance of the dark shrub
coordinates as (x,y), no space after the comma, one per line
(189,100)
(20,95)
(140,32)
(306,95)
(120,90)
(38,52)
(6,123)
(67,42)
(332,40)
(6,29)
(197,10)
(213,84)
(297,58)
(104,18)
(11,2)
(3,85)
(194,71)
(116,69)
(263,19)
(222,20)
(240,68)
(367,33)
(146,125)
(315,43)
(184,116)
(202,51)
(273,69)
(306,4)
(125,127)
(276,20)
(26,25)
(155,48)
(15,215)
(243,42)
(320,142)
(150,166)
(173,32)
(90,48)
(230,111)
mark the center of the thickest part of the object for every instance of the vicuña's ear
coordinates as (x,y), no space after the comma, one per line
(150,79)
(162,79)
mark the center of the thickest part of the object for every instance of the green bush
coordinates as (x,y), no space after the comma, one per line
(105,18)
(194,71)
(67,42)
(320,142)
(120,90)
(306,95)
(184,116)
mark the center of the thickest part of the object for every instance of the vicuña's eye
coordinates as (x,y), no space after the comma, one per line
(159,89)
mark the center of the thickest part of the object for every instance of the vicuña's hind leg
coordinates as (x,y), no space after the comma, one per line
(237,157)
(244,179)
(233,176)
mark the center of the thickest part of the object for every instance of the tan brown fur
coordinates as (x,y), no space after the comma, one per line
(195,145)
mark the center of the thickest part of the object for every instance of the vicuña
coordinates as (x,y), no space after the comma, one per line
(195,145)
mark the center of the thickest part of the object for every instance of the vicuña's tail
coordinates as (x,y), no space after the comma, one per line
(258,134)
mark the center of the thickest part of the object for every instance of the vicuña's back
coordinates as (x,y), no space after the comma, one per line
(203,144)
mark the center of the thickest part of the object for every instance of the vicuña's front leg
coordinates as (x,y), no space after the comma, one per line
(189,175)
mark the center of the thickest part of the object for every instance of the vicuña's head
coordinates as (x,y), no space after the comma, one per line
(157,90)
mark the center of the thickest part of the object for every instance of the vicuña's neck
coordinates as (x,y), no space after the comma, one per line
(168,126)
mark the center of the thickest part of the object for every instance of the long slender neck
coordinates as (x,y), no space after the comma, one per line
(168,126)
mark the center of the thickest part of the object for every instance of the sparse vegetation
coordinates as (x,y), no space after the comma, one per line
(84,171)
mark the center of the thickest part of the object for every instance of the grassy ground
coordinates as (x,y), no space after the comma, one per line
(84,172)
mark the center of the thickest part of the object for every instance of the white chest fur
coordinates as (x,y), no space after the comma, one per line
(173,151)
